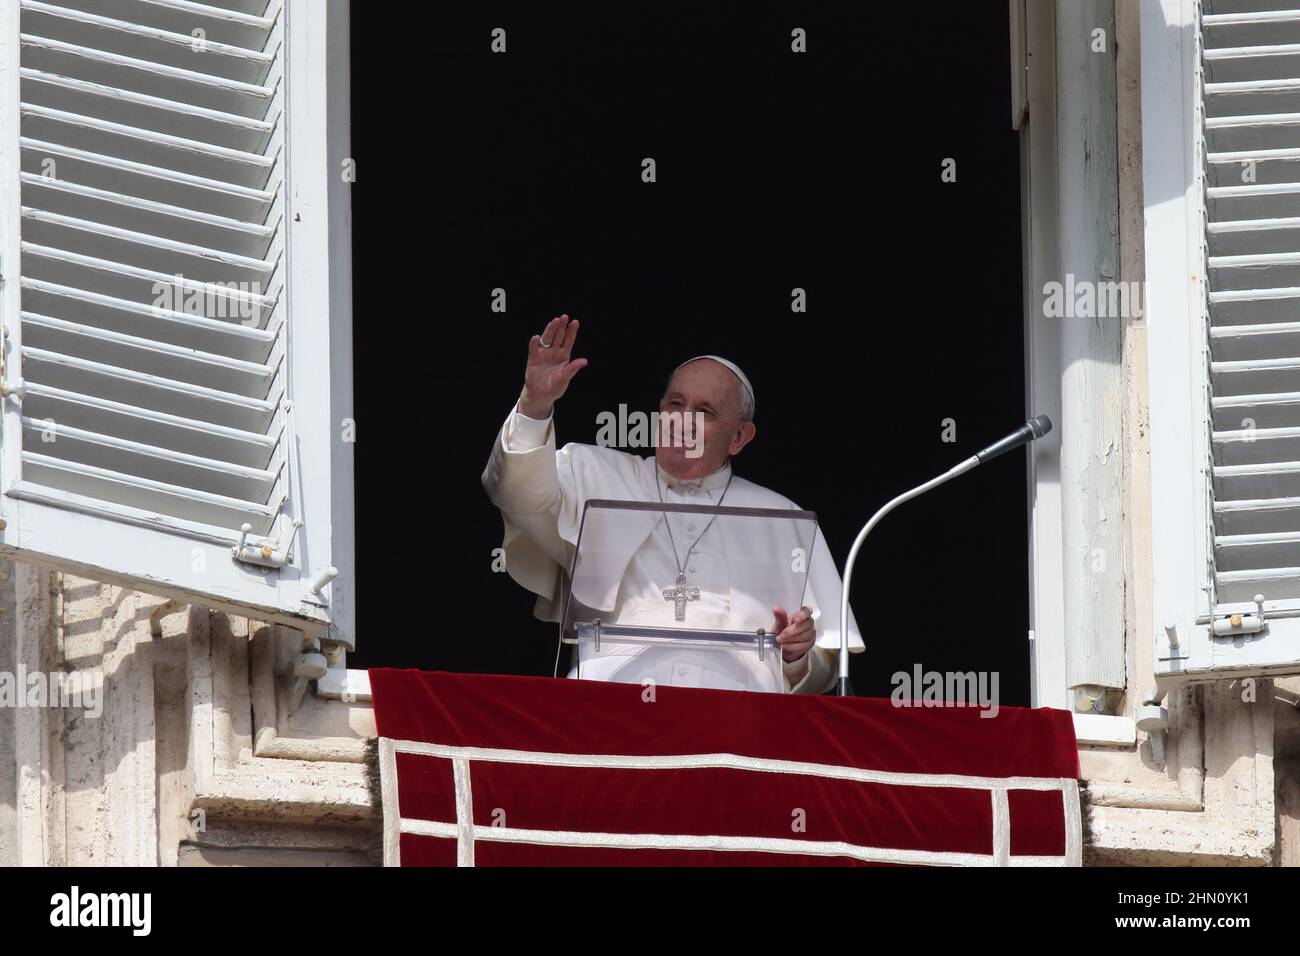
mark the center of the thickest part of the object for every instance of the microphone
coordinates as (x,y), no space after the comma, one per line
(1035,428)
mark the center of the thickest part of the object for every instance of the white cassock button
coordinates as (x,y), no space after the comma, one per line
(690,527)
(681,672)
(690,491)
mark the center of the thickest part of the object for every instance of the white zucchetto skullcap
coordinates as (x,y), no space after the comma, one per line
(735,370)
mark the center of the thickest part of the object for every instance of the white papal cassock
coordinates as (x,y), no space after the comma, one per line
(541,493)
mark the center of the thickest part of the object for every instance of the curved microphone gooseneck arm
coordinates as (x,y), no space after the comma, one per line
(842,685)
(1035,428)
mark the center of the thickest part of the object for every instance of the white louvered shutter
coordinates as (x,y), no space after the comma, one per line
(1251,56)
(177,352)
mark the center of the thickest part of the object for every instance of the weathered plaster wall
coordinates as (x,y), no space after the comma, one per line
(206,751)
(8,742)
(1286,769)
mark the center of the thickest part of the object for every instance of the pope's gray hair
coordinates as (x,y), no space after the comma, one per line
(745,407)
(746,403)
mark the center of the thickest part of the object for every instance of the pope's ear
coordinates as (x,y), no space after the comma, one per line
(744,435)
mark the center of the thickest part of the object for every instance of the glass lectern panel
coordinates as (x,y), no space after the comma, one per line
(683,595)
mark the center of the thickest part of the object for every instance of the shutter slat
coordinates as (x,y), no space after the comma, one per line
(1253,201)
(1252,97)
(1244,64)
(1257,515)
(1267,172)
(1253,237)
(142,112)
(124,281)
(251,240)
(96,32)
(1256,446)
(1270,270)
(180,16)
(148,391)
(253,449)
(1276,584)
(150,147)
(154,497)
(1251,29)
(1246,10)
(167,326)
(140,76)
(1278,410)
(251,7)
(1258,552)
(1256,377)
(1254,155)
(148,182)
(1255,135)
(165,465)
(1271,480)
(1239,343)
(159,254)
(1252,306)
(147,356)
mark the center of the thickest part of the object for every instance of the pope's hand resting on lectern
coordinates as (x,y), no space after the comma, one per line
(795,634)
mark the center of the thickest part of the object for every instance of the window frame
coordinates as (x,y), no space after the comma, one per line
(1039,228)
(1050,593)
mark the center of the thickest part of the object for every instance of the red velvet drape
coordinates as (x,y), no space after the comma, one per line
(542,715)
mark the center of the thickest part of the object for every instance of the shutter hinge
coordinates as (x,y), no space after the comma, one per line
(1240,622)
(17,387)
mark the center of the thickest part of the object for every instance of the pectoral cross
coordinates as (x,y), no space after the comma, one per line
(680,594)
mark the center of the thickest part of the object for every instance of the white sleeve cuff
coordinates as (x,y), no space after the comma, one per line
(524,433)
(795,671)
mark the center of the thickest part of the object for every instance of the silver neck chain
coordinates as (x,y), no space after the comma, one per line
(681,565)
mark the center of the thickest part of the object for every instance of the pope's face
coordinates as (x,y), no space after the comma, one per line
(699,421)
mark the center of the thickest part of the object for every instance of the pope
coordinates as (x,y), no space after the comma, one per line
(708,402)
